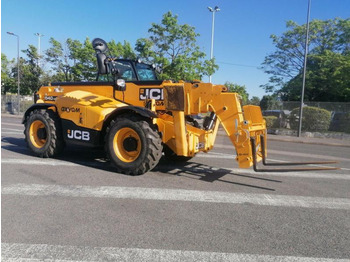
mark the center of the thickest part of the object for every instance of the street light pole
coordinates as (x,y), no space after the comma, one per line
(18,72)
(38,35)
(304,71)
(213,10)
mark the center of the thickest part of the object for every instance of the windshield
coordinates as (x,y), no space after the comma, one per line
(145,72)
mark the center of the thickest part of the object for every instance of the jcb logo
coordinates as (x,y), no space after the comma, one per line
(78,135)
(151,93)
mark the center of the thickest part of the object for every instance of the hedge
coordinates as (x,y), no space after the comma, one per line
(314,119)
(271,121)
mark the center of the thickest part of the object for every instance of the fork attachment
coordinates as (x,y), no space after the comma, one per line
(264,161)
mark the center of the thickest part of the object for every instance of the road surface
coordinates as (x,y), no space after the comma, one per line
(76,208)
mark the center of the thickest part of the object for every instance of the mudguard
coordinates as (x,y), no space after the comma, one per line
(37,106)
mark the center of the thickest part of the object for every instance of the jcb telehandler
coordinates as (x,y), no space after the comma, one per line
(138,118)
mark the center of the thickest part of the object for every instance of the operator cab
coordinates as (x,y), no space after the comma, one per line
(126,69)
(131,70)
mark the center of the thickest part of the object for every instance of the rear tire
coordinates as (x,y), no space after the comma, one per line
(43,133)
(133,145)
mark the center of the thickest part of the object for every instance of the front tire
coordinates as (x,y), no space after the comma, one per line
(43,133)
(133,145)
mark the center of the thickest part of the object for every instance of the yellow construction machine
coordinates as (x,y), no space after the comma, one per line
(138,118)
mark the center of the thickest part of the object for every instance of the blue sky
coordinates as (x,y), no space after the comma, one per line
(242,27)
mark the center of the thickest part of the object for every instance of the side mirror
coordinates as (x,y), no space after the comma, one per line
(120,84)
(101,64)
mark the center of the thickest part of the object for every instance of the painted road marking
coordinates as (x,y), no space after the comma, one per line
(52,162)
(164,194)
(13,133)
(41,252)
(43,162)
(11,124)
(278,152)
(11,129)
(233,157)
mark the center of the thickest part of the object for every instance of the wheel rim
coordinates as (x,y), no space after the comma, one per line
(127,144)
(38,134)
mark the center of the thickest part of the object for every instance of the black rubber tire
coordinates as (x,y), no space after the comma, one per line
(150,150)
(54,143)
(170,156)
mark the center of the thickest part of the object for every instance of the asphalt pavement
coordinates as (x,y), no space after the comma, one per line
(77,208)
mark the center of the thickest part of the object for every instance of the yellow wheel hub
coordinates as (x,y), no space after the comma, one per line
(37,134)
(127,144)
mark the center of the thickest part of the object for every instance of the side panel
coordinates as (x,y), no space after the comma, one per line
(86,109)
(74,134)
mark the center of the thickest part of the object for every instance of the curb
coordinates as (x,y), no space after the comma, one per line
(295,140)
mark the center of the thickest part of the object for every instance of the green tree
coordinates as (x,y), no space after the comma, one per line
(270,102)
(254,101)
(76,61)
(173,47)
(58,57)
(328,79)
(241,90)
(84,61)
(30,72)
(121,50)
(329,45)
(8,83)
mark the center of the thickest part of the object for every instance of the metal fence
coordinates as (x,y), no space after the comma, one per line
(330,106)
(9,103)
(338,121)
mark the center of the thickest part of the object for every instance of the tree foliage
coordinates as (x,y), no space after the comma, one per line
(170,45)
(327,64)
(8,82)
(58,56)
(254,101)
(328,79)
(241,90)
(30,72)
(269,102)
(173,47)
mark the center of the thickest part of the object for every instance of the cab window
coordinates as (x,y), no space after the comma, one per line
(125,71)
(145,72)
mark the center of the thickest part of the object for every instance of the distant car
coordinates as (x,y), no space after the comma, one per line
(280,114)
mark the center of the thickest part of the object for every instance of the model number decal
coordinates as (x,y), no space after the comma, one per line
(70,109)
(151,93)
(50,98)
(78,135)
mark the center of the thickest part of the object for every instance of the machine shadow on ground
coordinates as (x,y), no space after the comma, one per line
(96,158)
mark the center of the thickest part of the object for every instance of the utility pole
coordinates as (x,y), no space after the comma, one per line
(213,10)
(18,73)
(39,55)
(304,72)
